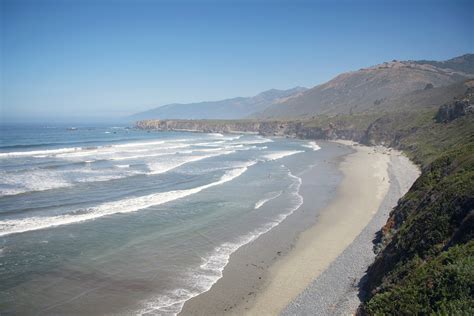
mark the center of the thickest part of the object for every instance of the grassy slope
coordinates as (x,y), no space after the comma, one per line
(414,132)
(435,215)
(441,285)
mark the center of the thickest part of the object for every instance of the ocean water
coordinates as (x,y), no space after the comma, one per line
(109,219)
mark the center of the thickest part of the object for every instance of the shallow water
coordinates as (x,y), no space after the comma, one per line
(114,220)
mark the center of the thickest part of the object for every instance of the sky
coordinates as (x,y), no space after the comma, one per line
(105,59)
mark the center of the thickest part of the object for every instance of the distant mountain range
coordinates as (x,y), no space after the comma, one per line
(388,86)
(234,108)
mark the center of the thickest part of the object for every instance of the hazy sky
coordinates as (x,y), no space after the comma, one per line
(111,58)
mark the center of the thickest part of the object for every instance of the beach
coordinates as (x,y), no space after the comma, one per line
(305,276)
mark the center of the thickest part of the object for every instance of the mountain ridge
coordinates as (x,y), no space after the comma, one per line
(386,86)
(367,88)
(232,108)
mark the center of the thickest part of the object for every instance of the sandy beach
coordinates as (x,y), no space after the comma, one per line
(336,290)
(367,180)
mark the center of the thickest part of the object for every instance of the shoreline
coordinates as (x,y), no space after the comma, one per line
(365,172)
(345,275)
(358,197)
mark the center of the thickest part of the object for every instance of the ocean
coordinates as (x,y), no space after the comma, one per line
(111,219)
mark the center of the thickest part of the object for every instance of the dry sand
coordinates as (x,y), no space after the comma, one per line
(358,198)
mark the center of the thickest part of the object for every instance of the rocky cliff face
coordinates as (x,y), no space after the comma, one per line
(297,129)
(449,112)
(209,126)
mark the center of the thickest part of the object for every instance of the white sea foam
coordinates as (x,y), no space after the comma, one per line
(139,156)
(216,134)
(100,177)
(31,181)
(212,266)
(40,152)
(165,166)
(312,145)
(271,196)
(281,154)
(87,175)
(230,138)
(211,144)
(122,166)
(82,151)
(206,150)
(139,144)
(256,141)
(13,226)
(40,180)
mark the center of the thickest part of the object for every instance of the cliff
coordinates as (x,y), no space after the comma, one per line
(296,129)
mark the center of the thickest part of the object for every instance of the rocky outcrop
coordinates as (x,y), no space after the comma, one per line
(449,112)
(204,126)
(297,129)
(457,108)
(212,126)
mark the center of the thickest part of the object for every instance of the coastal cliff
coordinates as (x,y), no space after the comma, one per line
(296,129)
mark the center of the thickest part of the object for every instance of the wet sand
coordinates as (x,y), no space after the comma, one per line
(302,257)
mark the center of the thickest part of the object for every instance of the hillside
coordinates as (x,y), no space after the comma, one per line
(426,259)
(464,63)
(234,108)
(375,88)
